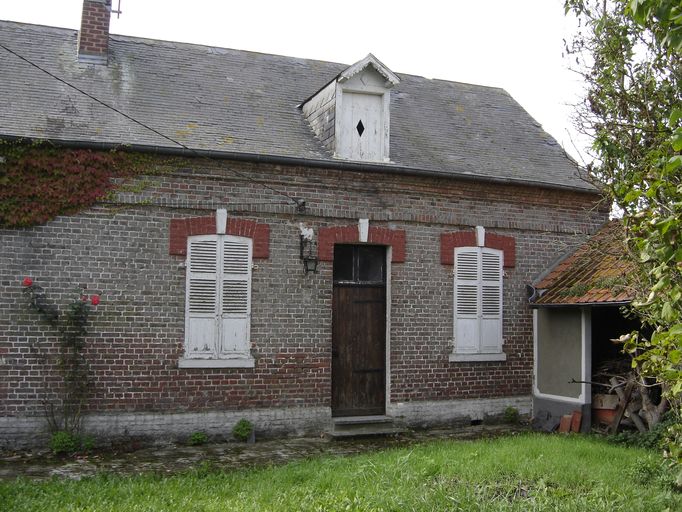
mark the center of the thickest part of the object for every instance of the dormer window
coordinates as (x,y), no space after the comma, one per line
(351,116)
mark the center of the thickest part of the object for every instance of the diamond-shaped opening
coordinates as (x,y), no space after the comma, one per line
(360,128)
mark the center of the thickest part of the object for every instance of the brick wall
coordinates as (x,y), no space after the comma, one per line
(93,37)
(121,251)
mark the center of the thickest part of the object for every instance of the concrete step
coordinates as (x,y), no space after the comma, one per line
(355,420)
(365,426)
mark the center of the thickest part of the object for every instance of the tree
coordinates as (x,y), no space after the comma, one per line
(630,55)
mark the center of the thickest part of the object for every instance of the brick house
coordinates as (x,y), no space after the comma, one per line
(425,206)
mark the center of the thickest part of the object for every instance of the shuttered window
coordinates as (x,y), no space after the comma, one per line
(218,309)
(478,300)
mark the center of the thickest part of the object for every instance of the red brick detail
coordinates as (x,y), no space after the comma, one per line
(201,226)
(260,233)
(178,237)
(393,237)
(506,244)
(180,229)
(241,227)
(449,241)
(327,237)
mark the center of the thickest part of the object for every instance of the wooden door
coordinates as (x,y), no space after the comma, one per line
(359,331)
(362,121)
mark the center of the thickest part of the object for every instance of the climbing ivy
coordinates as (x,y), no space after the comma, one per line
(39,182)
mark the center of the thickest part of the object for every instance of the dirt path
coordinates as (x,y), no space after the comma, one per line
(177,458)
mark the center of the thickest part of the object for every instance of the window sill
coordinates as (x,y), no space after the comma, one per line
(240,362)
(473,358)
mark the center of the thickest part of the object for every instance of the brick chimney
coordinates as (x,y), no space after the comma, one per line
(93,38)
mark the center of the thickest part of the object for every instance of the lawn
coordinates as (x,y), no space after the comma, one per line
(527,472)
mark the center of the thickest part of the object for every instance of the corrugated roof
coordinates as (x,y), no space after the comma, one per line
(241,102)
(596,273)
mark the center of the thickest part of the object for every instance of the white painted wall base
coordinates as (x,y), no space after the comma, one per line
(26,432)
(421,414)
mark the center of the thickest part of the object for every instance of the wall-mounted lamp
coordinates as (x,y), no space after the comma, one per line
(309,254)
(308,249)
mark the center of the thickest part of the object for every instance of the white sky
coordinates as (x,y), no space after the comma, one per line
(516,45)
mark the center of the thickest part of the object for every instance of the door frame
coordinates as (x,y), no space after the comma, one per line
(387,346)
(387,335)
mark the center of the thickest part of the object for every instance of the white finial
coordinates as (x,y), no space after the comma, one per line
(221,221)
(363,229)
(480,236)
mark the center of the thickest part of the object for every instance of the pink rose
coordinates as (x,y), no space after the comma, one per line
(27,281)
(94,299)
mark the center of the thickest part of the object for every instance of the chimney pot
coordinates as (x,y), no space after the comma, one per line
(93,38)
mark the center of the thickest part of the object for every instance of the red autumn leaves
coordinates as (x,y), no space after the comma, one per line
(63,181)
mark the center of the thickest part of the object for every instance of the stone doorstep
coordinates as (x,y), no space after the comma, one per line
(354,420)
(364,426)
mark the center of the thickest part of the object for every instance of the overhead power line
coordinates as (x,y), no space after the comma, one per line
(298,202)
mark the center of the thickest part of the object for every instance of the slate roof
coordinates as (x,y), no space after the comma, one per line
(245,103)
(596,273)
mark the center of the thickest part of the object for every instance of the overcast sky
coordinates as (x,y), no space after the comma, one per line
(516,45)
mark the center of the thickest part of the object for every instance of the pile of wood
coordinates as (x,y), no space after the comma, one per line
(623,400)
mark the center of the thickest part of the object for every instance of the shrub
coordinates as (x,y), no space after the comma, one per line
(666,435)
(198,438)
(672,451)
(511,415)
(242,429)
(652,439)
(67,443)
(652,470)
(87,443)
(64,443)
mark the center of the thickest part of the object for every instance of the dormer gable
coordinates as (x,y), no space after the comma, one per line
(351,114)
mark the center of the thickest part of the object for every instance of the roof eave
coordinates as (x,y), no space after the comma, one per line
(349,165)
(535,305)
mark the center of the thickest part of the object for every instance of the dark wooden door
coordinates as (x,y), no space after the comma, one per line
(359,331)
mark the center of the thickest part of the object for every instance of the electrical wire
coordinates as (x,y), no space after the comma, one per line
(300,204)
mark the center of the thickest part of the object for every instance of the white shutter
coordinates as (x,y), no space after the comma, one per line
(491,300)
(235,296)
(478,300)
(467,300)
(202,294)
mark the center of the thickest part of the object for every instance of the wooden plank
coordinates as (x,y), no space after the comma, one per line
(624,396)
(629,408)
(603,401)
(576,421)
(565,424)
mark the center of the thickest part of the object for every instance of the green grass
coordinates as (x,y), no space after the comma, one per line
(528,472)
